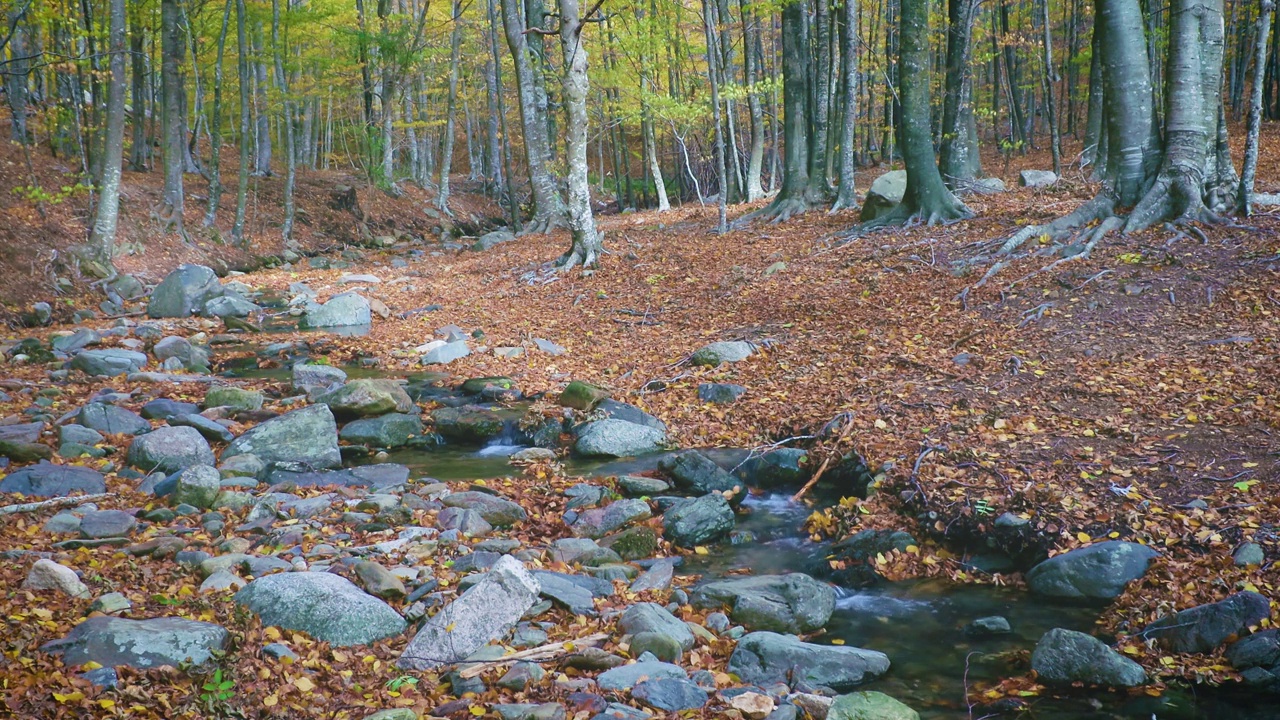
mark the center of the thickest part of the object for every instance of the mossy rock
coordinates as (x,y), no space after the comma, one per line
(475,386)
(634,543)
(582,396)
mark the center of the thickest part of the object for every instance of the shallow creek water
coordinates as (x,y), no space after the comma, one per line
(918,624)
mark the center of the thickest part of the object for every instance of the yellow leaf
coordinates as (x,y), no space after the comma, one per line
(304,684)
(1083,537)
(477,711)
(837,641)
(880,424)
(76,696)
(106,704)
(91,665)
(271,700)
(272,633)
(339,656)
(700,550)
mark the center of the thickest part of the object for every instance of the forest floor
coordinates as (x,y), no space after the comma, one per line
(1096,400)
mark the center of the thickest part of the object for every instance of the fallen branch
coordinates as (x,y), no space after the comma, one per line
(848,427)
(52,502)
(542,653)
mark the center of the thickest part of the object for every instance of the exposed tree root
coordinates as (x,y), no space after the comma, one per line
(543,224)
(583,254)
(780,210)
(907,217)
(1176,196)
(843,203)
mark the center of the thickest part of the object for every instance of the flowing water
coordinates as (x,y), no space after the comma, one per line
(918,624)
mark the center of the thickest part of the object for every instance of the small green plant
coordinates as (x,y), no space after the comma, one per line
(217,690)
(396,683)
(37,194)
(982,507)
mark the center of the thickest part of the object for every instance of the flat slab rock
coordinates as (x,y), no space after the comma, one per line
(48,480)
(327,607)
(141,644)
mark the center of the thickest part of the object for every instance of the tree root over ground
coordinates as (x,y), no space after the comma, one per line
(582,253)
(780,210)
(543,224)
(906,217)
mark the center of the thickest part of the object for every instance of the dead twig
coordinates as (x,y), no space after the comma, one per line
(52,502)
(848,427)
(542,653)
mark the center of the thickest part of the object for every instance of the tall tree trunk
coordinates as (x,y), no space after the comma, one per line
(102,238)
(451,113)
(926,197)
(215,125)
(751,66)
(246,129)
(958,158)
(548,208)
(173,109)
(722,175)
(846,197)
(1051,111)
(1245,195)
(1095,134)
(17,71)
(512,211)
(587,241)
(282,82)
(820,103)
(140,151)
(262,156)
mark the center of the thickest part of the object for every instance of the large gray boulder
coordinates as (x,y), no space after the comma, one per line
(142,644)
(308,377)
(183,292)
(764,658)
(169,450)
(617,438)
(308,436)
(794,603)
(1257,657)
(492,239)
(885,193)
(109,362)
(696,473)
(229,305)
(697,521)
(327,607)
(1096,572)
(342,310)
(481,614)
(1063,657)
(1037,178)
(870,705)
(367,398)
(651,617)
(598,522)
(497,511)
(198,486)
(48,480)
(1204,628)
(191,356)
(388,431)
(111,419)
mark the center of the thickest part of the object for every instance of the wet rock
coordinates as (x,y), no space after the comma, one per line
(344,310)
(696,473)
(633,543)
(641,486)
(988,627)
(765,658)
(794,603)
(238,399)
(142,644)
(485,611)
(327,607)
(1257,657)
(657,577)
(107,523)
(108,363)
(670,694)
(469,425)
(580,395)
(496,511)
(308,377)
(617,438)
(229,305)
(1204,628)
(164,409)
(869,706)
(598,522)
(207,428)
(720,393)
(308,436)
(169,450)
(1097,572)
(718,353)
(784,467)
(48,575)
(1066,656)
(387,431)
(367,398)
(192,357)
(615,410)
(697,521)
(47,480)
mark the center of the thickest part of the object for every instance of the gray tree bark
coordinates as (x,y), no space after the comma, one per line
(451,113)
(102,238)
(846,196)
(959,161)
(246,129)
(173,109)
(722,175)
(751,68)
(548,208)
(215,125)
(1248,172)
(588,243)
(291,163)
